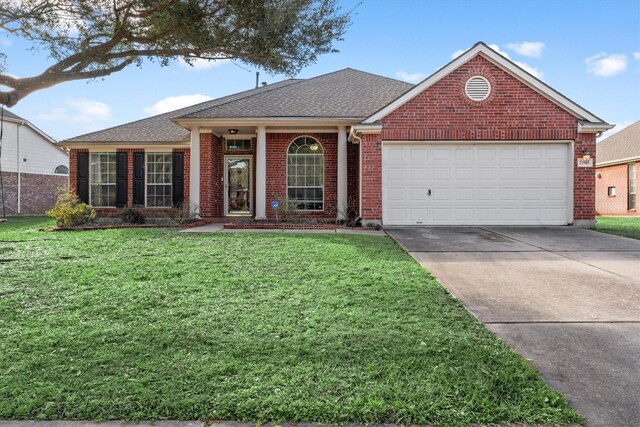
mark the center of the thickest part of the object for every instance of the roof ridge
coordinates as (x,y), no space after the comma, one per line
(271,89)
(170,114)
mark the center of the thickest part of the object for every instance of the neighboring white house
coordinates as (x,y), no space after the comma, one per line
(33,167)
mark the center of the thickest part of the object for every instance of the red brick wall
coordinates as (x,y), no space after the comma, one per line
(38,193)
(614,176)
(584,185)
(353,180)
(277,145)
(206,175)
(371,178)
(513,111)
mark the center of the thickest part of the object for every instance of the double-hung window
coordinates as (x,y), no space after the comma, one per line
(159,180)
(103,179)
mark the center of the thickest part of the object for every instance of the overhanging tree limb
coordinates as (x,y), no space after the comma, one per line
(89,39)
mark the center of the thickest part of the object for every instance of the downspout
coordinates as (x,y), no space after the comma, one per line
(18,164)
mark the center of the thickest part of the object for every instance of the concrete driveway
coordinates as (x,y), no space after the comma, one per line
(566,298)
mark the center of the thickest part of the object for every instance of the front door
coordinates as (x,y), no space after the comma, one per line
(238,194)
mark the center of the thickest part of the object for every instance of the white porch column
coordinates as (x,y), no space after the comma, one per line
(194,170)
(342,173)
(261,173)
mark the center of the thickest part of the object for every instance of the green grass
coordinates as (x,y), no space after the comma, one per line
(621,226)
(156,324)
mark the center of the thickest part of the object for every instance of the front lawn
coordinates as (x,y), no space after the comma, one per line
(156,324)
(621,226)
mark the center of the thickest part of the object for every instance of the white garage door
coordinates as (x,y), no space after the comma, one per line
(487,184)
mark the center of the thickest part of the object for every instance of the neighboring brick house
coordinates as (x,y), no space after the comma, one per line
(481,141)
(617,172)
(34,167)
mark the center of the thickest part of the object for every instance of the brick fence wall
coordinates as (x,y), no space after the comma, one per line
(38,192)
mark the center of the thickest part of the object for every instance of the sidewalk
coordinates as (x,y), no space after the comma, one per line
(219,228)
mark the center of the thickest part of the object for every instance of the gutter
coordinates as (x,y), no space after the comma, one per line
(617,162)
(20,124)
(356,132)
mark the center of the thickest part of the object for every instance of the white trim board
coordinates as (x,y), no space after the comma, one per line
(500,61)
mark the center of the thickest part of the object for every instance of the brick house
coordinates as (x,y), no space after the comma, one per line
(480,141)
(33,167)
(617,172)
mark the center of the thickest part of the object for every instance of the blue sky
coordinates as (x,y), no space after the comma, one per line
(587,50)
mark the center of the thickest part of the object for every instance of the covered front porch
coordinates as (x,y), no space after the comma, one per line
(255,169)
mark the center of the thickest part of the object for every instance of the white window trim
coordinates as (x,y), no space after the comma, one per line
(324,170)
(115,184)
(145,167)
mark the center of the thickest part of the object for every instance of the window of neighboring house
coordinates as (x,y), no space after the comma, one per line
(103,179)
(305,174)
(611,191)
(159,180)
(61,170)
(632,186)
(238,144)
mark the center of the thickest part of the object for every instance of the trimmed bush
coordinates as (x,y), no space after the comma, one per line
(69,211)
(132,216)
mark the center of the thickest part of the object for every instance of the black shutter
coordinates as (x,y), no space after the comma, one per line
(178,178)
(121,179)
(138,178)
(82,182)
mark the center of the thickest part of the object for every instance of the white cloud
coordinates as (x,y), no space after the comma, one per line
(531,49)
(636,55)
(528,68)
(604,65)
(5,42)
(619,126)
(458,52)
(203,64)
(410,77)
(78,110)
(172,103)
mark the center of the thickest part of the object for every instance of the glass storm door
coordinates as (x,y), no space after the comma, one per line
(238,185)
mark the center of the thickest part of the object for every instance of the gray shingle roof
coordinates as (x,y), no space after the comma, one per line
(346,93)
(10,115)
(343,94)
(622,145)
(160,128)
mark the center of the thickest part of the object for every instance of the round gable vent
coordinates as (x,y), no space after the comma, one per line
(477,88)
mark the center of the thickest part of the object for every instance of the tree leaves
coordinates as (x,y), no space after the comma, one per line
(92,39)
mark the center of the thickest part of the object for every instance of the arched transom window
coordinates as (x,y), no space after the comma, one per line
(305,174)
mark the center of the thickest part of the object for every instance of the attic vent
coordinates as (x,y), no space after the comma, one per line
(477,88)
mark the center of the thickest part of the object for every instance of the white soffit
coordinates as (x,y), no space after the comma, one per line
(503,63)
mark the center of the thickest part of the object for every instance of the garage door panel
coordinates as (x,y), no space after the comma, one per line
(509,184)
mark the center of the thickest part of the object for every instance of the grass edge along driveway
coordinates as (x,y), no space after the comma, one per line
(620,226)
(155,324)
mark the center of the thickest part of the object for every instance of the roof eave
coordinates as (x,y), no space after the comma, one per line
(617,162)
(127,144)
(267,121)
(587,127)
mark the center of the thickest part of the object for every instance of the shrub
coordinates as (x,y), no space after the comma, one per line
(70,211)
(132,216)
(185,213)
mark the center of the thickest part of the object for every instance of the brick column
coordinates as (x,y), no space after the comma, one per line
(371,190)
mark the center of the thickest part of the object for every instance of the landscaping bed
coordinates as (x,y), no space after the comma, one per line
(155,324)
